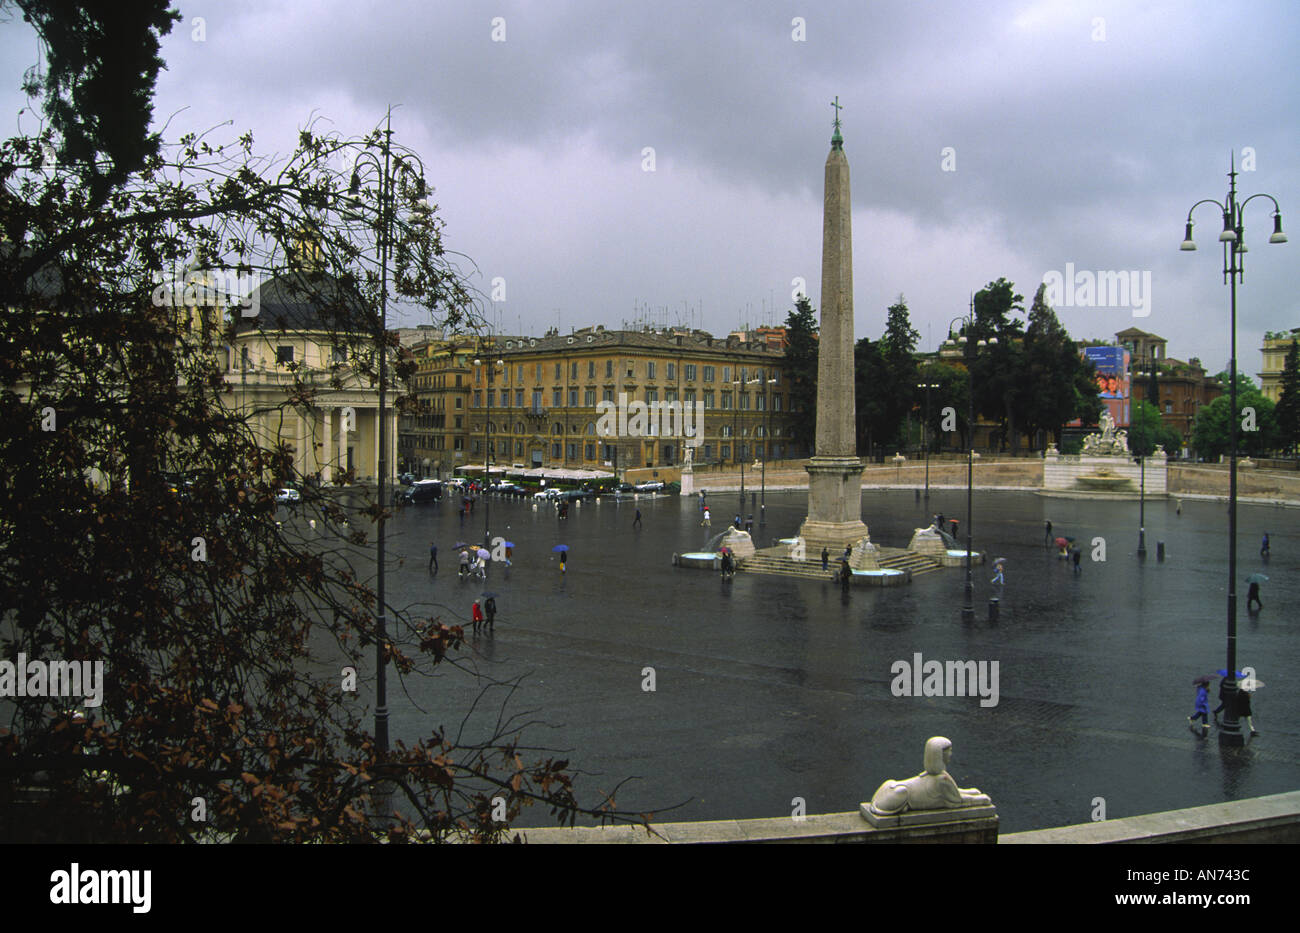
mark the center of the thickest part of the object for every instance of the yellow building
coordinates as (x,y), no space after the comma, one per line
(294,336)
(538,401)
(1276,346)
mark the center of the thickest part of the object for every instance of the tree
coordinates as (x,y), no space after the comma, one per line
(999,368)
(948,402)
(1057,385)
(1256,425)
(1287,411)
(1147,430)
(212,620)
(885,377)
(801,362)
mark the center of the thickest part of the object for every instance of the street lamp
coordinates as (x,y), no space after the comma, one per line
(735,440)
(767,440)
(1232,236)
(925,427)
(1148,372)
(970,349)
(404,167)
(487,445)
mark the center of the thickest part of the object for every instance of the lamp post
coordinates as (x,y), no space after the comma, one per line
(394,167)
(1234,249)
(492,367)
(735,410)
(970,349)
(767,440)
(925,428)
(1146,372)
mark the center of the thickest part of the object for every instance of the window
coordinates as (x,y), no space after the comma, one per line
(519,373)
(478,399)
(460,443)
(609,369)
(519,398)
(726,401)
(607,395)
(760,402)
(744,401)
(670,395)
(631,369)
(558,370)
(557,398)
(457,426)
(726,374)
(725,451)
(459,402)
(591,369)
(591,452)
(1169,408)
(458,375)
(688,397)
(519,448)
(652,395)
(537,399)
(539,373)
(776,377)
(589,398)
(571,451)
(557,428)
(505,398)
(708,399)
(573,370)
(688,372)
(573,398)
(284,354)
(726,430)
(555,451)
(708,374)
(672,370)
(776,403)
(339,355)
(650,369)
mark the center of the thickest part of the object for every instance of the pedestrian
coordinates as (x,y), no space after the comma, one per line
(564,556)
(491,608)
(463,571)
(1244,712)
(1047,532)
(826,559)
(1252,596)
(1202,709)
(939,522)
(706,521)
(433,557)
(727,566)
(476,615)
(997,575)
(510,552)
(1075,556)
(1223,697)
(736,522)
(1180,507)
(749,524)
(1263,548)
(636,522)
(846,575)
(954,527)
(462,517)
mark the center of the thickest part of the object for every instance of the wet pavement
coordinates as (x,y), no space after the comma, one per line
(769,688)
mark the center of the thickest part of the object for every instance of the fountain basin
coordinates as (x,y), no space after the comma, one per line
(1106,482)
(957,558)
(704,560)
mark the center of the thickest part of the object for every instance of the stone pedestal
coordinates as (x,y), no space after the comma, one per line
(834,504)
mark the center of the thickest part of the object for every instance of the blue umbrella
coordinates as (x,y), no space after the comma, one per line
(560,547)
(1223,673)
(507,544)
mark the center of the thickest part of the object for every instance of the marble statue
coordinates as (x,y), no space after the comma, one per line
(932,789)
(1108,442)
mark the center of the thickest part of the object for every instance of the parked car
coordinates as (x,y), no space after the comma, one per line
(650,487)
(288,496)
(509,489)
(570,494)
(423,490)
(406,479)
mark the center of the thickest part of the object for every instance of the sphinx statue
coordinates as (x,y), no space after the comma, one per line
(932,789)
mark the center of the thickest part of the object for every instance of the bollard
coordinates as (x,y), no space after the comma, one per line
(1160,550)
(993,608)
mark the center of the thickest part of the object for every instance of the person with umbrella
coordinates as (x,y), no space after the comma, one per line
(1063,548)
(1263,546)
(433,557)
(1252,595)
(1202,706)
(727,564)
(490,608)
(463,570)
(563,551)
(476,615)
(510,550)
(483,555)
(998,566)
(1244,712)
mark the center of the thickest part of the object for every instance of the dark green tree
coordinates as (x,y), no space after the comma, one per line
(1000,391)
(1287,411)
(1057,382)
(948,403)
(1256,425)
(885,376)
(1147,430)
(101,64)
(801,362)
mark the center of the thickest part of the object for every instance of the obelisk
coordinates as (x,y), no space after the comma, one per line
(835,473)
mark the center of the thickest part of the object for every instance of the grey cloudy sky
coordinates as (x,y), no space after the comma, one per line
(1081,133)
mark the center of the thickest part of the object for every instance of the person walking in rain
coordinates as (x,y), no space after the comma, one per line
(1263,547)
(433,557)
(1202,709)
(1223,697)
(476,615)
(826,559)
(1047,532)
(706,523)
(1252,595)
(564,556)
(490,609)
(998,577)
(1244,712)
(636,522)
(1075,555)
(846,575)
(736,521)
(463,572)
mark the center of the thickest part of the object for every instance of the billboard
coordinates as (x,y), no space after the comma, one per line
(1112,379)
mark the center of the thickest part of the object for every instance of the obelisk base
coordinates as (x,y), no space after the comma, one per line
(834,505)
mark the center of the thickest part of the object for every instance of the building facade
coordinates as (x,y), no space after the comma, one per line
(1276,346)
(539,401)
(1179,388)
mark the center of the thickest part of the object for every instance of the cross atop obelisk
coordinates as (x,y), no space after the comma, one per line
(835,473)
